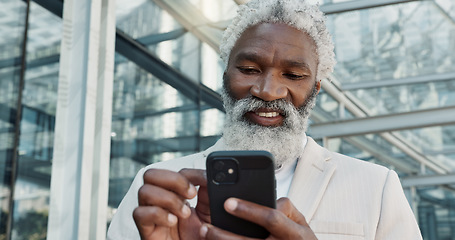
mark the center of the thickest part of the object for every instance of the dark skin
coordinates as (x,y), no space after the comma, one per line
(269,61)
(163,213)
(284,222)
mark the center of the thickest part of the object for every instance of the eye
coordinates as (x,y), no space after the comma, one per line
(295,76)
(248,70)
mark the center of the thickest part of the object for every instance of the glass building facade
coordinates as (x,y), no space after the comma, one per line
(391,99)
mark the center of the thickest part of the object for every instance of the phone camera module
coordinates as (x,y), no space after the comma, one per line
(225,171)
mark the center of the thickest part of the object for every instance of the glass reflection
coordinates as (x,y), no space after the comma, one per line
(151,122)
(31,199)
(12,20)
(405,98)
(392,42)
(436,211)
(183,53)
(373,148)
(216,10)
(143,19)
(437,143)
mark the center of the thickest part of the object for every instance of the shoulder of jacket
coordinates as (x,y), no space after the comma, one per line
(177,164)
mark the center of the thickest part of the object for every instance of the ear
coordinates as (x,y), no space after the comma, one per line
(318,85)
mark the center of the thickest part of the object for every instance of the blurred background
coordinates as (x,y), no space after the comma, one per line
(391,99)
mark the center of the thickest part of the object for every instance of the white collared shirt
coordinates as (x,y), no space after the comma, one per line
(284,175)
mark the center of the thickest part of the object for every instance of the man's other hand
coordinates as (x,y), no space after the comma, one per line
(163,212)
(285,222)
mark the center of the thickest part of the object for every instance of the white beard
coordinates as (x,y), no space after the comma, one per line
(285,142)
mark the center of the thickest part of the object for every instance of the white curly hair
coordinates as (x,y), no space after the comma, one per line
(296,13)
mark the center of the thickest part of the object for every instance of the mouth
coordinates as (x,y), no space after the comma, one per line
(266,117)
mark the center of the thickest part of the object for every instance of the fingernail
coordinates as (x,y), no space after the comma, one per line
(203,231)
(186,211)
(172,219)
(192,190)
(231,204)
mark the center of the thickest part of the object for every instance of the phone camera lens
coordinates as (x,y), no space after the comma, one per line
(219,177)
(218,165)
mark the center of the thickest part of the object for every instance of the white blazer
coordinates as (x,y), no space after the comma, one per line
(341,197)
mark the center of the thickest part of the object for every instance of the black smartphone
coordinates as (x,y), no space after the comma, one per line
(248,175)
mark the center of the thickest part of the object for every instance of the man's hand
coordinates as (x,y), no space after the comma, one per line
(163,213)
(285,222)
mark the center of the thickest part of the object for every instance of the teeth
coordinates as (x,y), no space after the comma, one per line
(267,114)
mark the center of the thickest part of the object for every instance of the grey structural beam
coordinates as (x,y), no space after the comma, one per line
(365,144)
(397,82)
(332,8)
(385,123)
(352,104)
(161,37)
(381,154)
(428,180)
(358,5)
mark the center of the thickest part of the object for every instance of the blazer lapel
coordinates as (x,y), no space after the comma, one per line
(311,177)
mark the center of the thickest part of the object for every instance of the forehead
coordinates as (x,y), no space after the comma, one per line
(270,36)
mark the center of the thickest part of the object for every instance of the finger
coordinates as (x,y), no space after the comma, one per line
(285,206)
(147,218)
(197,177)
(170,180)
(203,196)
(149,195)
(276,222)
(189,228)
(203,205)
(210,232)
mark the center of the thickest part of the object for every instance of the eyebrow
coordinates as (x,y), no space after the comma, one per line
(255,57)
(297,64)
(248,56)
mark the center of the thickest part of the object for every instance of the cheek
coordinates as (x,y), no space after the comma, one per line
(300,93)
(239,86)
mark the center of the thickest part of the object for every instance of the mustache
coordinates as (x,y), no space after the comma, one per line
(295,117)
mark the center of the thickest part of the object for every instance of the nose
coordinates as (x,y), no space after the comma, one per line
(269,88)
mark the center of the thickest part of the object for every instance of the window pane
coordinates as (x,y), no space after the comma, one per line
(142,19)
(31,206)
(151,122)
(12,20)
(393,42)
(437,143)
(436,212)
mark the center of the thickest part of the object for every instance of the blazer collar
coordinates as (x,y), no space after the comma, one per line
(311,178)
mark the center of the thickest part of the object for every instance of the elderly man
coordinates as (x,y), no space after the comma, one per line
(276,54)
